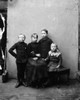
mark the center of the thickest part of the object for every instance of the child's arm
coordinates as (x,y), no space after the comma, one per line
(48,57)
(11,51)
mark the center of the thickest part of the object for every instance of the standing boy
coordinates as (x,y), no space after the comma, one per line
(21,58)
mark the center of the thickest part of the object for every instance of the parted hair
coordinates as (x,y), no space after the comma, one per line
(22,35)
(34,35)
(45,30)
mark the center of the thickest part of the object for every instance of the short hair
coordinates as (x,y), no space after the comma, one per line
(45,30)
(34,35)
(55,45)
(23,35)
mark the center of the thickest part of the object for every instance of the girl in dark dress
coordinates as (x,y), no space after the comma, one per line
(33,50)
(33,54)
(54,57)
(36,66)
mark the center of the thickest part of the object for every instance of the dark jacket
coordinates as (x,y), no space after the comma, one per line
(44,46)
(33,49)
(21,52)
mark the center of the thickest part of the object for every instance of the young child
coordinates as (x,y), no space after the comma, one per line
(44,43)
(21,58)
(54,58)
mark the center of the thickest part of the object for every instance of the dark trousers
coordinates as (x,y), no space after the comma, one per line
(20,71)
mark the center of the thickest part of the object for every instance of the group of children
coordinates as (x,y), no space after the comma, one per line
(36,58)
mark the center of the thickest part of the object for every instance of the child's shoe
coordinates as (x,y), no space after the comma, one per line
(18,85)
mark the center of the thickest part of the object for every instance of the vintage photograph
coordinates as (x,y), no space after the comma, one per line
(39,50)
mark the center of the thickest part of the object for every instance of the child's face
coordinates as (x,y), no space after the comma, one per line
(53,47)
(21,38)
(44,34)
(34,39)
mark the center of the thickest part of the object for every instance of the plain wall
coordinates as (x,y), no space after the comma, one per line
(60,17)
